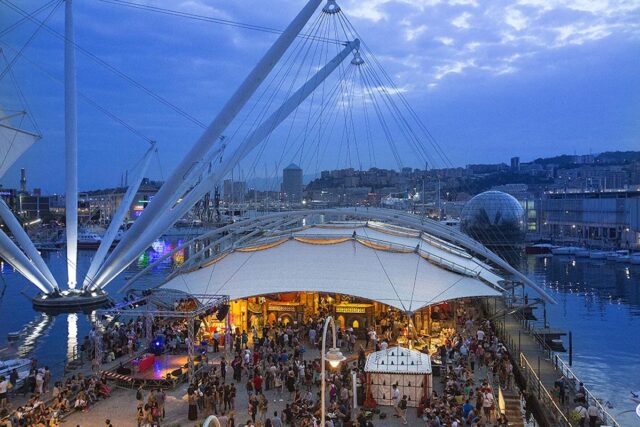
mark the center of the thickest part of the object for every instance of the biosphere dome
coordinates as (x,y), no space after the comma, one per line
(493,218)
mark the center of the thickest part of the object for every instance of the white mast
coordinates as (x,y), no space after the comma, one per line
(118,218)
(16,258)
(25,243)
(167,194)
(175,212)
(71,145)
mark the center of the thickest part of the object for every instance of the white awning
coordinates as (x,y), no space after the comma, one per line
(398,360)
(406,281)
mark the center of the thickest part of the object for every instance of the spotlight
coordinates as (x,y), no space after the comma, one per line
(222,312)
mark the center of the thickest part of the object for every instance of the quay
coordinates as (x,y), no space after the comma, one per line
(538,368)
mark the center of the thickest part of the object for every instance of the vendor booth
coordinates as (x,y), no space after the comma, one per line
(410,370)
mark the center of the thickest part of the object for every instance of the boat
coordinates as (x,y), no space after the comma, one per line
(539,248)
(565,250)
(614,255)
(22,366)
(583,253)
(598,255)
(88,240)
(624,258)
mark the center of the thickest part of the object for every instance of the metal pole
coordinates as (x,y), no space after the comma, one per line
(25,242)
(539,379)
(190,348)
(167,193)
(355,393)
(328,321)
(71,145)
(117,219)
(18,260)
(519,340)
(173,213)
(570,349)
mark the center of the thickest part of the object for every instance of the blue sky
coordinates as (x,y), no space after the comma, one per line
(491,79)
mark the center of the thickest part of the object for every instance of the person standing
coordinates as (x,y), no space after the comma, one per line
(402,406)
(592,412)
(193,405)
(161,397)
(5,385)
(276,421)
(395,398)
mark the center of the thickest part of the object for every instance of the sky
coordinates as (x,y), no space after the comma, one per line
(489,79)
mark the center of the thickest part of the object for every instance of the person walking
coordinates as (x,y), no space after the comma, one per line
(402,409)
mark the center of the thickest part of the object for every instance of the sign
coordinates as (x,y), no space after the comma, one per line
(282,307)
(350,310)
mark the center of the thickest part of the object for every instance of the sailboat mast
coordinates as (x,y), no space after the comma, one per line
(71,145)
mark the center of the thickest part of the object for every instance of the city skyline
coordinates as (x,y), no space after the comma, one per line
(525,77)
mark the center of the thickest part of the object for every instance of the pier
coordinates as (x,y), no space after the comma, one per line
(537,367)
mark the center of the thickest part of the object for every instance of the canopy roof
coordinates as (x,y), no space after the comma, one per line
(374,261)
(398,360)
(13,142)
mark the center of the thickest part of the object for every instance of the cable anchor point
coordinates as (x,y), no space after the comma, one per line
(357,59)
(331,7)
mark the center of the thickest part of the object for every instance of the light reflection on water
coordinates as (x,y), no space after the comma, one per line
(40,334)
(599,301)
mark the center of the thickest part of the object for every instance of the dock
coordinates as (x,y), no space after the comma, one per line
(537,367)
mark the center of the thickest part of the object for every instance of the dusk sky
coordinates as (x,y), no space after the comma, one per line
(490,79)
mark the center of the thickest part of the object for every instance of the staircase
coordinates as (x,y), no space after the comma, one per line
(513,408)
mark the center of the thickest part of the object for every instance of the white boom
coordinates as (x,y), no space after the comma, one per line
(167,194)
(118,218)
(25,243)
(178,210)
(71,145)
(14,256)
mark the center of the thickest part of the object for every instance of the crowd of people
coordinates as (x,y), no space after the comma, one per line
(273,372)
(75,393)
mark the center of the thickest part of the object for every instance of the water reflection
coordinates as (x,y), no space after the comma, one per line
(32,332)
(72,335)
(598,281)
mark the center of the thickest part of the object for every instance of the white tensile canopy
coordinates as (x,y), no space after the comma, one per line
(357,261)
(13,142)
(408,369)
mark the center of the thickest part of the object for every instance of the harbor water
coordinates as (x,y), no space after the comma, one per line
(598,301)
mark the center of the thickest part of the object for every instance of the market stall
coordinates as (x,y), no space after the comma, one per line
(410,370)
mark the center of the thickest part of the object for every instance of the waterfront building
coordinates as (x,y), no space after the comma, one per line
(515,164)
(292,183)
(100,205)
(606,219)
(234,191)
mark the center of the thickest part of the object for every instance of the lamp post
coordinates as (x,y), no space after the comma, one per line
(334,356)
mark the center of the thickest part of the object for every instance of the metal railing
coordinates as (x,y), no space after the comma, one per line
(550,355)
(535,385)
(573,380)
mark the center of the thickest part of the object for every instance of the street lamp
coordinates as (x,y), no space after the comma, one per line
(334,356)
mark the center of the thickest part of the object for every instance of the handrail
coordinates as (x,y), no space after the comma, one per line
(605,416)
(524,363)
(560,365)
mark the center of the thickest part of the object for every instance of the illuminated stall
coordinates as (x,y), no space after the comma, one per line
(409,370)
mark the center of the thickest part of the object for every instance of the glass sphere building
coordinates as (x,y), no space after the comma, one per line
(493,218)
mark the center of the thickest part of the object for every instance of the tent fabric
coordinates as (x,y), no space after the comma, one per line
(398,360)
(13,142)
(433,250)
(402,280)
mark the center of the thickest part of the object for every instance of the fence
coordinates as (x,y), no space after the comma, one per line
(531,375)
